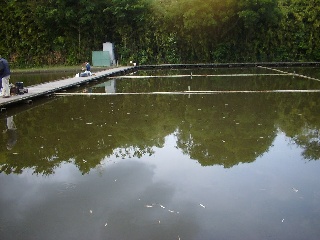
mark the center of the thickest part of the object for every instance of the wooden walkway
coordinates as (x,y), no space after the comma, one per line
(55,86)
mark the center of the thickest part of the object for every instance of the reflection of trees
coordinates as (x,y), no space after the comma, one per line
(84,131)
(309,140)
(227,130)
(131,152)
(212,129)
(258,83)
(299,119)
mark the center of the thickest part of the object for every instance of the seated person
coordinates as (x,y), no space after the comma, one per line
(88,67)
(87,71)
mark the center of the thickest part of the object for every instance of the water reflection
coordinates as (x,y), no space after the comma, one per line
(30,79)
(107,87)
(219,166)
(92,212)
(166,196)
(212,129)
(11,132)
(206,83)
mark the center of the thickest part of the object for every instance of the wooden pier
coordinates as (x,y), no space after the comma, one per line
(49,88)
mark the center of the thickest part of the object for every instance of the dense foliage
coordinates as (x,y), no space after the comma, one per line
(46,32)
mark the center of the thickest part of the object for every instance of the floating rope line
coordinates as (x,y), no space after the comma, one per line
(203,75)
(187,92)
(281,73)
(292,74)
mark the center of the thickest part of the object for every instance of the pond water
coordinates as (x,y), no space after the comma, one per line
(30,79)
(166,166)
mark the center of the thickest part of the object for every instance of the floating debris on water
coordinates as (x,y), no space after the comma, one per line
(66,187)
(282,220)
(296,190)
(69,185)
(202,205)
(91,211)
(106,224)
(89,123)
(160,205)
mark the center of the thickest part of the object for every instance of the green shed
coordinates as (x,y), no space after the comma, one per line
(101,59)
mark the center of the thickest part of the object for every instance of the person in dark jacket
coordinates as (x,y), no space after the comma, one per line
(5,76)
(88,67)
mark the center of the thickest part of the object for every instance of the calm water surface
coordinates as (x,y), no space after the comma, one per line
(30,79)
(165,166)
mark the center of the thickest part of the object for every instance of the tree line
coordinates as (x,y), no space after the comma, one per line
(65,32)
